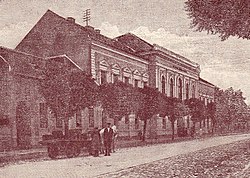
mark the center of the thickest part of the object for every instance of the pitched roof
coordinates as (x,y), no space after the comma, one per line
(134,42)
(94,34)
(128,42)
(22,63)
(142,47)
(202,80)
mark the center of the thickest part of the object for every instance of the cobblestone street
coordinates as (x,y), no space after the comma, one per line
(232,160)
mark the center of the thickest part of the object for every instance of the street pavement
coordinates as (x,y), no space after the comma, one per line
(224,161)
(123,159)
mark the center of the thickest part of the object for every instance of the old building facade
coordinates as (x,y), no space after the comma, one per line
(20,99)
(126,58)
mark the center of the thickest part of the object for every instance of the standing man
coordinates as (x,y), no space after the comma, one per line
(108,136)
(115,135)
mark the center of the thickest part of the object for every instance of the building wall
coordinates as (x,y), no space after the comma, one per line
(22,89)
(108,59)
(164,127)
(165,67)
(20,100)
(206,92)
(53,35)
(5,107)
(117,63)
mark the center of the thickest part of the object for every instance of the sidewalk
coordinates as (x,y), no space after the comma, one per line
(120,160)
(41,152)
(17,155)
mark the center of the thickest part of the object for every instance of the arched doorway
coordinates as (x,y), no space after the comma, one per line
(23,125)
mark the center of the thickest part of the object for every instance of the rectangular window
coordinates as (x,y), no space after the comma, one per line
(91,117)
(43,115)
(136,83)
(78,118)
(145,84)
(164,124)
(136,123)
(103,77)
(115,78)
(126,80)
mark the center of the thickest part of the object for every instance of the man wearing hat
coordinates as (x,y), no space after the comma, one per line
(108,136)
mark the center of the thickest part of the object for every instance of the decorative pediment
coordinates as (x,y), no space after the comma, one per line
(116,66)
(136,72)
(104,63)
(116,69)
(127,70)
(145,75)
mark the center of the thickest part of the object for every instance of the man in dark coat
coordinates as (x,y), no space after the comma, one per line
(107,137)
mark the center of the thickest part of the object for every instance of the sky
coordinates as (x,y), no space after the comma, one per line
(164,22)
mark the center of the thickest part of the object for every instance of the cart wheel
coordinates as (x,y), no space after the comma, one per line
(53,151)
(70,149)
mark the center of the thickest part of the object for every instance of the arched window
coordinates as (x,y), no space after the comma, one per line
(163,83)
(193,92)
(180,89)
(187,91)
(171,88)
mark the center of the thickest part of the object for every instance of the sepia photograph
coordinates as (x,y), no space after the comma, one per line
(124,89)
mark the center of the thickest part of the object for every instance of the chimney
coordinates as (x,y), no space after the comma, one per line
(98,31)
(71,19)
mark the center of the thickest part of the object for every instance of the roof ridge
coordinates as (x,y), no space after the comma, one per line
(203,80)
(48,11)
(173,53)
(21,52)
(132,34)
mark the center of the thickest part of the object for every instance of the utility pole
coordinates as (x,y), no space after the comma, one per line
(86,16)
